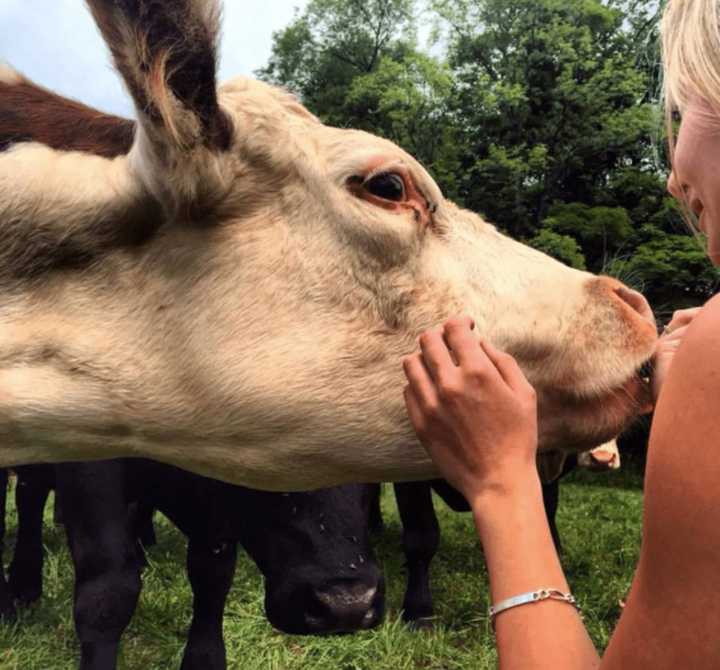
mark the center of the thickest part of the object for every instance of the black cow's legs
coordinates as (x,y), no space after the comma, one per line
(375,518)
(6,605)
(551,498)
(421,537)
(145,528)
(104,551)
(25,574)
(140,518)
(211,570)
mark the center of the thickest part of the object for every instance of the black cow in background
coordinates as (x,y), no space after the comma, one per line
(34,483)
(421,535)
(312,548)
(6,598)
(421,532)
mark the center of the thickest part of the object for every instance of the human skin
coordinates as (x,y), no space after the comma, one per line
(476,415)
(696,170)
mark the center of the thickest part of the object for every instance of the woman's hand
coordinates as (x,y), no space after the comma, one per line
(473,410)
(668,345)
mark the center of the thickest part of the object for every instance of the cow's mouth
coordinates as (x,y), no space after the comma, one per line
(645,371)
(579,423)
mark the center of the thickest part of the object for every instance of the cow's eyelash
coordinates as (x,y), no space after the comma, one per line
(360,179)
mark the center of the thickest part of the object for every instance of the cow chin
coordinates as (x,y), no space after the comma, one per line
(576,424)
(326,607)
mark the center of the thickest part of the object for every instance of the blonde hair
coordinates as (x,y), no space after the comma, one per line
(690,32)
(691,52)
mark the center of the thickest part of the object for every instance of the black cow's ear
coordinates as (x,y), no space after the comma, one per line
(166,51)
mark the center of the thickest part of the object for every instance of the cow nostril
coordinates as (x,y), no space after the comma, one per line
(343,607)
(636,301)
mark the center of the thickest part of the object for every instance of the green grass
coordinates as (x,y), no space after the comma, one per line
(599,521)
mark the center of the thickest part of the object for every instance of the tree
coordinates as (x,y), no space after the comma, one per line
(406,100)
(672,270)
(562,247)
(323,49)
(552,87)
(356,64)
(602,232)
(541,115)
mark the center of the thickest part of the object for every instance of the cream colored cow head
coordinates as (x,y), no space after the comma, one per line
(235,294)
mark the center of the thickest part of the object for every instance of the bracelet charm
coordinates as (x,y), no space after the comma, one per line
(532,597)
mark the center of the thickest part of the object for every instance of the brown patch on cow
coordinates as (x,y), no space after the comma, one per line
(635,336)
(30,113)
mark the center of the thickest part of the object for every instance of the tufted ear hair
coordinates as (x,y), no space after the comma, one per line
(166,52)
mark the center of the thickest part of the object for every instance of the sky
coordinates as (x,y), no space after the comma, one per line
(55,43)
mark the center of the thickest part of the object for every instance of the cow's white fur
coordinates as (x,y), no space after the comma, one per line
(266,350)
(62,189)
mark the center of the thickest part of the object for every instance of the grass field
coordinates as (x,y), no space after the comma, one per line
(599,520)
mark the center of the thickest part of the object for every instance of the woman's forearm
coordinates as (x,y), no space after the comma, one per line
(521,558)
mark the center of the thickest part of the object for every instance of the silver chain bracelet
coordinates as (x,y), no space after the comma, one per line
(531,597)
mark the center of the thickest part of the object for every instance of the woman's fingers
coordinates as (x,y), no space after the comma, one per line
(436,355)
(677,333)
(672,339)
(448,355)
(683,317)
(419,380)
(506,366)
(458,335)
(413,409)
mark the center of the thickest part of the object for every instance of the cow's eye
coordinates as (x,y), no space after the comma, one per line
(387,185)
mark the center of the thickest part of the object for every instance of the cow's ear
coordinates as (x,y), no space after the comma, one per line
(550,465)
(166,51)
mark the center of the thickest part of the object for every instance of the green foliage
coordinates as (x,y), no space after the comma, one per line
(544,78)
(601,231)
(322,50)
(357,65)
(542,115)
(563,247)
(405,98)
(672,269)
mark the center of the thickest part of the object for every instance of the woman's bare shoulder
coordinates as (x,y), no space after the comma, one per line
(708,320)
(686,426)
(683,468)
(696,368)
(673,606)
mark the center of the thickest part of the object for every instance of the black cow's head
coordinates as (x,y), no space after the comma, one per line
(314,550)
